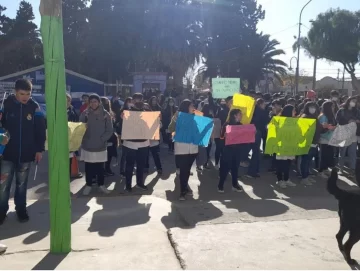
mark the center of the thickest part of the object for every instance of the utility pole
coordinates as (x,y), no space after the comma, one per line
(298,52)
(343,80)
(59,179)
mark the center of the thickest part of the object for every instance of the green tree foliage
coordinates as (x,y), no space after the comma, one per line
(337,35)
(21,47)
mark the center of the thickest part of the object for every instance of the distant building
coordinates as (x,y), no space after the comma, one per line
(75,82)
(149,80)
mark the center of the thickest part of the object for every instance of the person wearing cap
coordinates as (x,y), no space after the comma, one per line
(136,151)
(94,144)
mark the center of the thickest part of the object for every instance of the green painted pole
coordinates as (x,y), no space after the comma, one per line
(55,86)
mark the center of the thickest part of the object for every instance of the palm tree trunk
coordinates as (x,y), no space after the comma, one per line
(314,74)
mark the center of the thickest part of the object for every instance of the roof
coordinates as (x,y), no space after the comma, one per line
(43,66)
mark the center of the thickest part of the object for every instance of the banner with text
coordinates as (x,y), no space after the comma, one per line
(141,125)
(290,136)
(225,87)
(193,129)
(240,134)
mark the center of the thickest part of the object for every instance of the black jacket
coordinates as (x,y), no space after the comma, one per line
(26,126)
(72,116)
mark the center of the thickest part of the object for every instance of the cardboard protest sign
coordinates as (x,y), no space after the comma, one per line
(217,128)
(193,129)
(290,136)
(76,132)
(141,125)
(344,135)
(240,134)
(225,87)
(247,106)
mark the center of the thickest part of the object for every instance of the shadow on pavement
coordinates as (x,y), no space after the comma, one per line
(50,261)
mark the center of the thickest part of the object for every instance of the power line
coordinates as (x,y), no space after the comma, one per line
(284,30)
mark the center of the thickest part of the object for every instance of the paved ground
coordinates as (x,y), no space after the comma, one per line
(263,228)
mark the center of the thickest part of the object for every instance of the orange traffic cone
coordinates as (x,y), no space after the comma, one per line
(75,167)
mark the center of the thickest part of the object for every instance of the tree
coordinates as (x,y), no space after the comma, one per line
(75,24)
(260,60)
(337,35)
(5,46)
(22,45)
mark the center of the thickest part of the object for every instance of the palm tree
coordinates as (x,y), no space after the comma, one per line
(310,50)
(262,60)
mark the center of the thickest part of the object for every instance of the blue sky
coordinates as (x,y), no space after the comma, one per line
(281,21)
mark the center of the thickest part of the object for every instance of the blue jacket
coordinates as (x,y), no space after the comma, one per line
(25,124)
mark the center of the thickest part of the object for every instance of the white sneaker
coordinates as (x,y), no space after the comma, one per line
(306,182)
(217,167)
(3,248)
(87,190)
(104,190)
(282,184)
(290,183)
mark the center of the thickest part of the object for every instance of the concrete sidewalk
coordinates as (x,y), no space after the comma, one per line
(107,233)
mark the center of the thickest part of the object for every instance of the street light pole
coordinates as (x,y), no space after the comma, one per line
(298,52)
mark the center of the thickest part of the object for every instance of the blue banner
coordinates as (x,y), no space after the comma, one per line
(193,129)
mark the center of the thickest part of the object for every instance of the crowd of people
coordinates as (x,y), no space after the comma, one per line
(328,113)
(24,121)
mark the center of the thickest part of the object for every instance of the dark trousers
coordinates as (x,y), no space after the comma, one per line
(230,161)
(306,162)
(93,170)
(264,136)
(123,160)
(220,144)
(155,152)
(139,157)
(208,150)
(170,142)
(254,166)
(327,159)
(108,162)
(283,169)
(184,162)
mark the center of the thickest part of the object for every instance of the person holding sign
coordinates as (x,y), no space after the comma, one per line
(347,114)
(136,151)
(328,123)
(283,163)
(94,143)
(185,153)
(231,155)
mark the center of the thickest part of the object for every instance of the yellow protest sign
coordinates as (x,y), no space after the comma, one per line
(76,134)
(290,136)
(140,125)
(247,106)
(76,131)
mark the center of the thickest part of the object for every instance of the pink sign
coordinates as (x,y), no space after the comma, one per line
(240,134)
